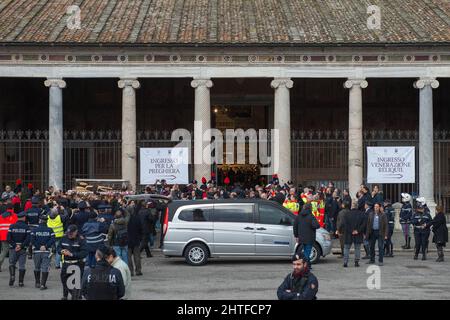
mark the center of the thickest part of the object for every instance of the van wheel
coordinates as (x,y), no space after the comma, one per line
(196,254)
(316,252)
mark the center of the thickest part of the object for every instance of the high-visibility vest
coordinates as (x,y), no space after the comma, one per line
(318,211)
(293,206)
(304,197)
(57,226)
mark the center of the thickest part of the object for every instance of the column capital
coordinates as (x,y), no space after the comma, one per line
(282,82)
(201,83)
(350,83)
(129,83)
(422,82)
(60,83)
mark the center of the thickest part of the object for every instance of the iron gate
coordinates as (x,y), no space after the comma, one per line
(317,157)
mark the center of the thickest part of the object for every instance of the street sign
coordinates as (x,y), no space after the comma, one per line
(391,165)
(170,164)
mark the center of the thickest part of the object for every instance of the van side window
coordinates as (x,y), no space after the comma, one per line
(271,215)
(233,213)
(195,214)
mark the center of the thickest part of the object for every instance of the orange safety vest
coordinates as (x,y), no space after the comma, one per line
(318,211)
(293,206)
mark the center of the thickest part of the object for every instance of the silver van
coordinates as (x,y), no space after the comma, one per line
(202,229)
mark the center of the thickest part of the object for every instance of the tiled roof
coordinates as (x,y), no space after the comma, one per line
(227,22)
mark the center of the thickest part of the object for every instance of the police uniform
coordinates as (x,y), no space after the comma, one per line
(77,247)
(405,220)
(103,282)
(389,246)
(105,212)
(95,233)
(33,215)
(421,235)
(18,237)
(42,236)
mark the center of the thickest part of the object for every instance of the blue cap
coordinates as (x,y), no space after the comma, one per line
(82,205)
(35,200)
(21,214)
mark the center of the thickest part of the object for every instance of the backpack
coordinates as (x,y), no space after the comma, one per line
(121,237)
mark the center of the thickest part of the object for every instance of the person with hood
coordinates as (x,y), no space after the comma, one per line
(301,284)
(440,232)
(103,282)
(305,226)
(18,239)
(94,232)
(7,219)
(421,220)
(42,241)
(118,235)
(406,213)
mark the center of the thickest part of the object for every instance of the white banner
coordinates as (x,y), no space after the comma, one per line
(391,165)
(170,164)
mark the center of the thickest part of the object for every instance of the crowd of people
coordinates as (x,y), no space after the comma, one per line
(107,234)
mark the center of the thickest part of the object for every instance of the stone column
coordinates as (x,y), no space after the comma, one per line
(426,164)
(129,87)
(355,135)
(55,133)
(281,156)
(202,122)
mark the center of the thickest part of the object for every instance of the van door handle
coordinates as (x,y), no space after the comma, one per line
(248,228)
(261,229)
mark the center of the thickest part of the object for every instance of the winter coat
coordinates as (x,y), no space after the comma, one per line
(353,220)
(340,221)
(304,288)
(440,230)
(116,226)
(120,265)
(305,226)
(362,201)
(136,233)
(378,198)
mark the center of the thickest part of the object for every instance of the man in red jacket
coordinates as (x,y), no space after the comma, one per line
(7,218)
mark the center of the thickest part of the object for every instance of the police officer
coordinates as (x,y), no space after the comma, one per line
(301,284)
(18,239)
(73,250)
(421,220)
(105,214)
(390,213)
(103,282)
(95,233)
(405,219)
(42,240)
(33,215)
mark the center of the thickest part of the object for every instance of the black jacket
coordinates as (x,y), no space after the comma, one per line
(135,231)
(362,201)
(76,246)
(440,230)
(304,288)
(19,233)
(102,283)
(353,220)
(305,226)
